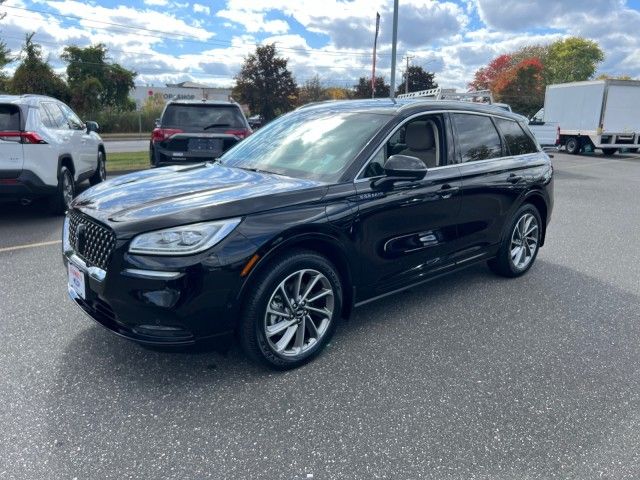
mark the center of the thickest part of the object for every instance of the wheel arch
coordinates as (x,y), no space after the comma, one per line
(319,242)
(104,152)
(537,199)
(65,160)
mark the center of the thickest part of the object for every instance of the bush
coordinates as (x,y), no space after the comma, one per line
(125,122)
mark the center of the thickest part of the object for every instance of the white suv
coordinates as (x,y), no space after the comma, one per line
(46,150)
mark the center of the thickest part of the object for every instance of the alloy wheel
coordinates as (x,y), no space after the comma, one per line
(524,241)
(299,312)
(102,168)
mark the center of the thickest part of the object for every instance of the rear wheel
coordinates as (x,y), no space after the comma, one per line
(291,313)
(609,151)
(520,245)
(65,192)
(573,145)
(101,170)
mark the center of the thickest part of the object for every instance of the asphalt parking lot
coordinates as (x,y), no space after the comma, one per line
(471,376)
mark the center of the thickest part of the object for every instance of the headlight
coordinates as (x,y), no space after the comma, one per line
(66,244)
(185,240)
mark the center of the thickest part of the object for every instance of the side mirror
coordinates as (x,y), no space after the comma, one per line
(399,168)
(157,123)
(92,127)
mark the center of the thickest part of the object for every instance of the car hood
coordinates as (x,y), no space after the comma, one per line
(188,194)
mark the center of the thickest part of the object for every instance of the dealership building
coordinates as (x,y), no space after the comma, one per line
(179,91)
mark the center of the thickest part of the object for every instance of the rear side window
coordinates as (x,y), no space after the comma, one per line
(56,116)
(202,117)
(9,118)
(518,142)
(478,138)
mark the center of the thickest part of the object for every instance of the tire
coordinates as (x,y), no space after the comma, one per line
(101,170)
(285,347)
(609,151)
(65,192)
(573,145)
(509,262)
(152,157)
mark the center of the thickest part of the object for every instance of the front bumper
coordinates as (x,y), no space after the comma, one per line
(158,307)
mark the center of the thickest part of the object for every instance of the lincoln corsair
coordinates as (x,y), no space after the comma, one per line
(325,209)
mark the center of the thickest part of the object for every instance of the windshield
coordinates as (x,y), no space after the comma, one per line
(202,117)
(309,144)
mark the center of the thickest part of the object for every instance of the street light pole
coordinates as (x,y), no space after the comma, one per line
(393,48)
(406,78)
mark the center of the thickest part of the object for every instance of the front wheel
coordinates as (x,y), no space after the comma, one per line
(291,312)
(573,145)
(609,151)
(520,246)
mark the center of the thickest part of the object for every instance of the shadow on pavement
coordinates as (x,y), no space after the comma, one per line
(470,375)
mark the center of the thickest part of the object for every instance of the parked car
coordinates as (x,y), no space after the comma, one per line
(46,150)
(324,209)
(191,131)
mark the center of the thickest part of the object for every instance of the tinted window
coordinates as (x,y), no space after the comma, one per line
(477,137)
(517,141)
(9,118)
(57,117)
(202,117)
(310,144)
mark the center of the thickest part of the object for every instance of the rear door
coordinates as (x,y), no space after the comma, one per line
(495,172)
(11,152)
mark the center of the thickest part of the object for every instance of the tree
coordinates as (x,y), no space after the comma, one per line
(573,60)
(312,91)
(605,76)
(521,86)
(485,77)
(419,79)
(363,88)
(35,75)
(338,93)
(265,84)
(5,59)
(89,73)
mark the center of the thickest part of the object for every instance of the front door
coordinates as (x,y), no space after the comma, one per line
(408,232)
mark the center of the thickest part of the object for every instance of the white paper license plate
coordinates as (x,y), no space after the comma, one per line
(76,280)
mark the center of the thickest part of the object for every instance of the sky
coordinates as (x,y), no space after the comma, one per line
(169,41)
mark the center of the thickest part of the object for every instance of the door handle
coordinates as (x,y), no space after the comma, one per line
(513,178)
(447,190)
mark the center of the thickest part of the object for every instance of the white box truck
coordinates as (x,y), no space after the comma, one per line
(604,114)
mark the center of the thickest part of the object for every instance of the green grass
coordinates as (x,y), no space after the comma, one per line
(117,161)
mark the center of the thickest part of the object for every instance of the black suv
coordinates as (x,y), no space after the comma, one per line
(191,131)
(327,208)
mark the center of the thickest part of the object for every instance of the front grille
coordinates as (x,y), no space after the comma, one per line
(90,240)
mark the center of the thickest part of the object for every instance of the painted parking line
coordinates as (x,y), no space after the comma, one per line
(29,245)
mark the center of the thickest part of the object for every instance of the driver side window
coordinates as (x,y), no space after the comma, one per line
(421,137)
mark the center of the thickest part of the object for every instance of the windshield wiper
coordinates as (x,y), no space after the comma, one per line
(216,125)
(258,170)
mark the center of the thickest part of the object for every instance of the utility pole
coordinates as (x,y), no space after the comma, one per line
(393,48)
(406,75)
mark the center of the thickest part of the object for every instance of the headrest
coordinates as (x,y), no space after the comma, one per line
(419,136)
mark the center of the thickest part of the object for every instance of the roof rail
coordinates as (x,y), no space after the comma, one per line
(482,96)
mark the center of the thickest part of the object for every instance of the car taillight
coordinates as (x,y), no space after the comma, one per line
(242,133)
(161,134)
(558,136)
(24,137)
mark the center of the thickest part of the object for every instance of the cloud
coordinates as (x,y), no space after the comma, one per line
(199,8)
(158,3)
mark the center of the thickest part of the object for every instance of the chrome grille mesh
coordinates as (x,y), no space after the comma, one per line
(90,240)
